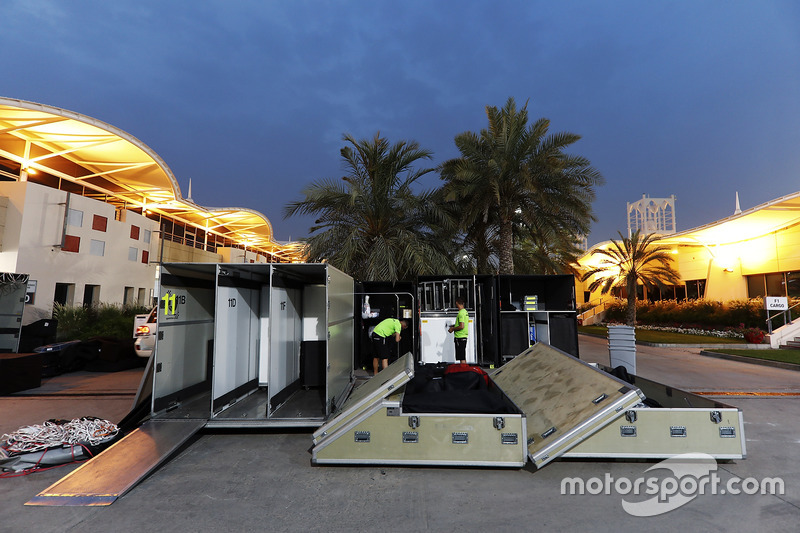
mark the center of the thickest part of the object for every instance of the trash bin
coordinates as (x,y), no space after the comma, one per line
(622,347)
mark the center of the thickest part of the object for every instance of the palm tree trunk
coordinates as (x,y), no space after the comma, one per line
(631,288)
(506,245)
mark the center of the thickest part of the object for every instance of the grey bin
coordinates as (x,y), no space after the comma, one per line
(622,347)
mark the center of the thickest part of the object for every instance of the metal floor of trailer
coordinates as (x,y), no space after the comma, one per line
(303,408)
(263,480)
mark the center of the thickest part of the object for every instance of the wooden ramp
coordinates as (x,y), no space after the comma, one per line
(115,471)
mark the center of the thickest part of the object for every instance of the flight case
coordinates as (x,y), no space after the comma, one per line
(546,402)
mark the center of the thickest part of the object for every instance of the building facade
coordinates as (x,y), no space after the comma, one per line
(753,253)
(89,212)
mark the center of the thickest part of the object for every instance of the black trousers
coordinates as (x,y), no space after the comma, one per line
(461,348)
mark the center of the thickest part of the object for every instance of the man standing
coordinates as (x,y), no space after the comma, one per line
(385,330)
(460,331)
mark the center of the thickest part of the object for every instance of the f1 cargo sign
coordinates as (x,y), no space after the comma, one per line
(776,303)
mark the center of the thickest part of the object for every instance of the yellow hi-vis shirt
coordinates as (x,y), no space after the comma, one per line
(462,317)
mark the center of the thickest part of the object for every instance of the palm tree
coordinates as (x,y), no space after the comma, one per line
(512,173)
(631,261)
(371,224)
(542,251)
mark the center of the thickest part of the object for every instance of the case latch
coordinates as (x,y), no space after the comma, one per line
(677,431)
(460,438)
(499,422)
(509,438)
(410,437)
(413,422)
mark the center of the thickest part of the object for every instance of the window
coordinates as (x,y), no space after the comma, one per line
(189,236)
(135,232)
(71,244)
(680,293)
(695,289)
(91,295)
(146,238)
(127,296)
(75,218)
(775,285)
(99,223)
(97,248)
(133,253)
(793,284)
(145,256)
(756,287)
(141,297)
(64,294)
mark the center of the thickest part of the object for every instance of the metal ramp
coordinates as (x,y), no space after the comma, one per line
(115,471)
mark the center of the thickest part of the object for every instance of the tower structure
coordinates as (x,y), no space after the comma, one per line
(652,215)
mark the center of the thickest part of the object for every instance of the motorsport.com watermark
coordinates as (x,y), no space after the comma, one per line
(693,474)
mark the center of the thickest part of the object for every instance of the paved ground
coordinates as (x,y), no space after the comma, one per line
(256,481)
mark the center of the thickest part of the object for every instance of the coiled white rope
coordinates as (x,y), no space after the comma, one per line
(92,431)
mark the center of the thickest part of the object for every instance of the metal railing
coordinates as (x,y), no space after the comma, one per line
(785,312)
(596,308)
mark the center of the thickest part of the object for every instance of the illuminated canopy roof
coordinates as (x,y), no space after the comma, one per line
(770,217)
(120,169)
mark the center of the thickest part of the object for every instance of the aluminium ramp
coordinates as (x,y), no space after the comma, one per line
(115,471)
(564,399)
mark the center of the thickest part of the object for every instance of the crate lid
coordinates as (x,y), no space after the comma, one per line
(367,394)
(564,399)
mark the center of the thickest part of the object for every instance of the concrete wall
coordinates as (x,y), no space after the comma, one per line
(237,255)
(179,253)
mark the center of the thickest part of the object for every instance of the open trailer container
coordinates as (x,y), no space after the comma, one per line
(253,344)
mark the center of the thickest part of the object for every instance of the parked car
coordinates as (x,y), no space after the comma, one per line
(145,328)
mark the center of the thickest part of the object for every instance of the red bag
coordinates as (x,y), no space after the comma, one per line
(463,367)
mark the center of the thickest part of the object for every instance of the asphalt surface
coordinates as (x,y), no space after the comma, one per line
(264,481)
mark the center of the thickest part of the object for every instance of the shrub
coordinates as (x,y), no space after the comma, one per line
(104,320)
(754,335)
(701,313)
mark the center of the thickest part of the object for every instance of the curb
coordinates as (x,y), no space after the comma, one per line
(732,346)
(752,361)
(718,346)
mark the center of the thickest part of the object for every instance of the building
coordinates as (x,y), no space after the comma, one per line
(89,212)
(749,254)
(752,253)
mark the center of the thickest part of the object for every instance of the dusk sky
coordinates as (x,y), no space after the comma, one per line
(250,99)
